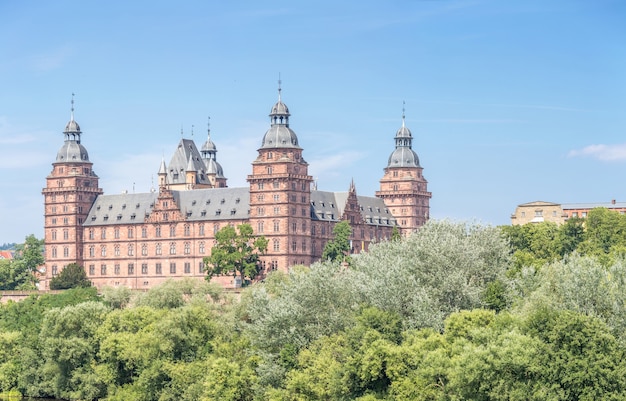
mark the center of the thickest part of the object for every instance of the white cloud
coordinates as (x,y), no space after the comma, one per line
(602,152)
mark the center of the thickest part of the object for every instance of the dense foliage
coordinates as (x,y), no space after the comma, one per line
(236,251)
(449,313)
(19,273)
(72,276)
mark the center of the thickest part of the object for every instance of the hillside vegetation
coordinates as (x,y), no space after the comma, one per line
(457,311)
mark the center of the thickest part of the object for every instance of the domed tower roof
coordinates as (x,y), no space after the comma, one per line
(209,151)
(208,146)
(279,135)
(72,150)
(403,155)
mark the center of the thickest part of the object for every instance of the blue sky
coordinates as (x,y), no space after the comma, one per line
(508,101)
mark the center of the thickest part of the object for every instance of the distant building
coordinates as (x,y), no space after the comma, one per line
(539,211)
(6,255)
(138,240)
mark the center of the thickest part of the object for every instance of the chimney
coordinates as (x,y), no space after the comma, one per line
(612,201)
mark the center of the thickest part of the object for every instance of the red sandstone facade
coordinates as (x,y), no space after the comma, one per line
(141,240)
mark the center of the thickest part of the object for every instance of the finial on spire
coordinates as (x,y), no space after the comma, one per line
(181,130)
(208,125)
(72,108)
(192,130)
(279,89)
(403,104)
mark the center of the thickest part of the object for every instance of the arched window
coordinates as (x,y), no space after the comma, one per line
(201,248)
(276,244)
(187,248)
(172,248)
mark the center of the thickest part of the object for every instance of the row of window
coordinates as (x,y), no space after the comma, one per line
(145,269)
(157,231)
(158,249)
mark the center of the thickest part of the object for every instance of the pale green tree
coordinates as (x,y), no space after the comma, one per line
(236,251)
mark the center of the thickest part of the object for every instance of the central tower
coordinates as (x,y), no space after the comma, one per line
(280,194)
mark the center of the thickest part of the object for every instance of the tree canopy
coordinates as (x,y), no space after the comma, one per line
(72,276)
(19,273)
(236,251)
(338,248)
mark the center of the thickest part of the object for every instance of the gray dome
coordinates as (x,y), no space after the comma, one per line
(403,157)
(280,136)
(213,167)
(72,126)
(72,151)
(280,108)
(403,132)
(209,146)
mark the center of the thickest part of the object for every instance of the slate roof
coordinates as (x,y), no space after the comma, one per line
(214,204)
(593,205)
(185,157)
(329,206)
(123,208)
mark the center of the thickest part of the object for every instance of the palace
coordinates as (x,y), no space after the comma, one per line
(139,240)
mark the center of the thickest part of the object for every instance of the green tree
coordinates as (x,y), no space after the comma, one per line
(19,273)
(72,276)
(338,248)
(236,251)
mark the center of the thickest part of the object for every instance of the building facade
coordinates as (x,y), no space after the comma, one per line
(559,213)
(142,239)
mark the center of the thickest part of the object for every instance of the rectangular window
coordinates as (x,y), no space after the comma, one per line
(187,267)
(159,269)
(131,268)
(130,233)
(200,267)
(103,270)
(144,268)
(116,233)
(144,232)
(172,268)
(92,270)
(103,233)
(201,229)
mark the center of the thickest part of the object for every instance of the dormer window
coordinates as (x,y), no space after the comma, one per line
(119,217)
(218,212)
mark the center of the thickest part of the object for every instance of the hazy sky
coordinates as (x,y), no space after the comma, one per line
(508,101)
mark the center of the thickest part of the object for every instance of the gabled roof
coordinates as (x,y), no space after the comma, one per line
(329,206)
(538,203)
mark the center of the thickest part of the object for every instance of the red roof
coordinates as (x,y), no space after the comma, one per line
(6,255)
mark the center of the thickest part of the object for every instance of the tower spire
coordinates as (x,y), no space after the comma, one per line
(72,108)
(208,129)
(279,89)
(403,104)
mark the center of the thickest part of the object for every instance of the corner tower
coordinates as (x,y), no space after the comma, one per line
(280,193)
(403,188)
(71,188)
